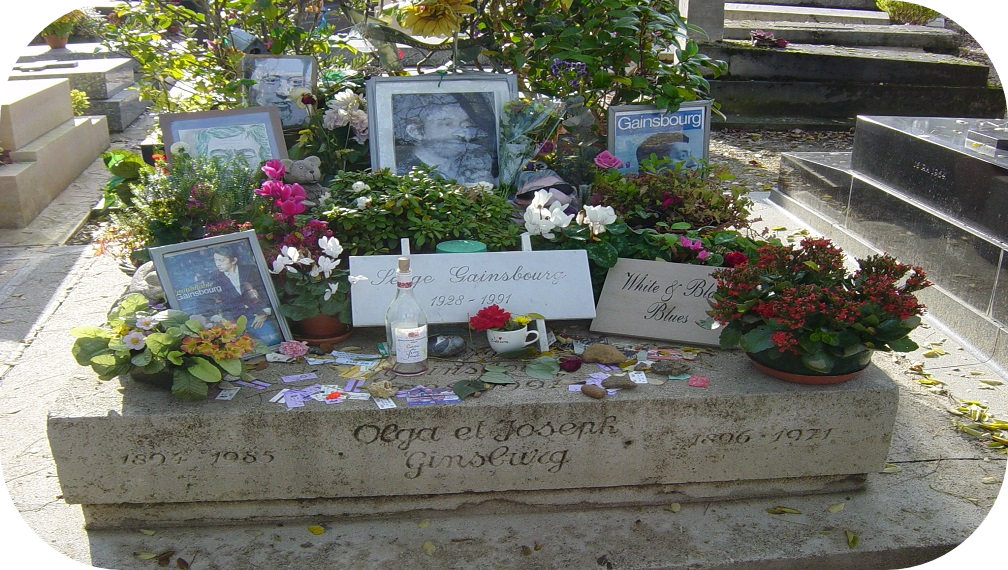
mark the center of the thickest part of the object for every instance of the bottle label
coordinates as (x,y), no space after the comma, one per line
(411,344)
(404,284)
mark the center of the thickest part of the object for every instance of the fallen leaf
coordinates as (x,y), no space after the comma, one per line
(990,480)
(316,529)
(148,532)
(934,353)
(538,547)
(890,468)
(835,508)
(423,524)
(990,382)
(182,563)
(778,229)
(497,378)
(145,555)
(674,507)
(852,538)
(526,551)
(429,548)
(783,511)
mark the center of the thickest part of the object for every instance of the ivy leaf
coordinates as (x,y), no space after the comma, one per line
(835,508)
(543,368)
(465,388)
(316,529)
(852,538)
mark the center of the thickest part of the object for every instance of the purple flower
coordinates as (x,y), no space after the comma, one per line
(274,169)
(605,159)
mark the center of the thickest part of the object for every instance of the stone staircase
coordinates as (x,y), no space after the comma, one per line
(841,63)
(49,147)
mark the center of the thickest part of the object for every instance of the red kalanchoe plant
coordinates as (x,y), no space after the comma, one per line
(802,304)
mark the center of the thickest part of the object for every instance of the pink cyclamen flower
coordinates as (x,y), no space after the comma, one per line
(274,169)
(290,208)
(293,348)
(271,188)
(703,254)
(546,147)
(605,159)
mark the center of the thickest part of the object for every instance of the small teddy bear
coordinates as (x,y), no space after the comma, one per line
(305,172)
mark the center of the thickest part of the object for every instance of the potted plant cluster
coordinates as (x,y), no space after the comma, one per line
(166,348)
(800,312)
(57,33)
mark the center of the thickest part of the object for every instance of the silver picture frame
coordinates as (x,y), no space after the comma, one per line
(194,280)
(274,77)
(448,122)
(253,134)
(637,131)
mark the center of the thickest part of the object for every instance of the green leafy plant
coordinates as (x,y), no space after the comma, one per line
(906,12)
(307,273)
(65,24)
(128,170)
(79,101)
(172,204)
(372,211)
(137,337)
(610,52)
(802,309)
(190,60)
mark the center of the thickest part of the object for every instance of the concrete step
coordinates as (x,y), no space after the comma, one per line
(99,78)
(121,109)
(45,167)
(72,52)
(928,38)
(778,13)
(30,109)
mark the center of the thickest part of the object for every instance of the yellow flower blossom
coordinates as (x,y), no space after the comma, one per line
(436,17)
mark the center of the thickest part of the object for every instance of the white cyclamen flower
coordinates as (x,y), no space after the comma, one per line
(363,202)
(559,217)
(360,186)
(538,222)
(355,279)
(179,148)
(598,217)
(325,266)
(330,246)
(333,287)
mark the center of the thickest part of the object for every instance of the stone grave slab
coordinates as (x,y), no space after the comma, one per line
(937,166)
(131,454)
(99,78)
(30,109)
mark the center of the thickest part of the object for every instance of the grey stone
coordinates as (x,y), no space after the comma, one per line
(145,281)
(445,345)
(531,436)
(99,78)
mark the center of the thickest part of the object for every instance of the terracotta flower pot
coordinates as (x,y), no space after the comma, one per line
(320,329)
(56,41)
(792,369)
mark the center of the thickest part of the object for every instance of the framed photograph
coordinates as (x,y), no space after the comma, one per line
(223,277)
(253,134)
(450,123)
(638,131)
(275,77)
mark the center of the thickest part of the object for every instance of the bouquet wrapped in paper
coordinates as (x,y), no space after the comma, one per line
(527,129)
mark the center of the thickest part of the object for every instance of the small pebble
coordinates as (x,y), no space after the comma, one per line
(593,391)
(603,354)
(381,389)
(618,382)
(669,367)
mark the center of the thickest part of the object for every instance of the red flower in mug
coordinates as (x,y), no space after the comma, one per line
(492,317)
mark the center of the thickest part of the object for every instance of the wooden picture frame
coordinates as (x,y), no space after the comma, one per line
(193,277)
(254,134)
(449,122)
(274,77)
(637,131)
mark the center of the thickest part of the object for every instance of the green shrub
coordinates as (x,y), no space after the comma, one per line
(906,12)
(80,102)
(371,211)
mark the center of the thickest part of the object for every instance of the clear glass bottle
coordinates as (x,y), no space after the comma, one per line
(406,326)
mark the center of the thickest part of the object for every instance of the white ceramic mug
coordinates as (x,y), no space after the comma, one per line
(510,341)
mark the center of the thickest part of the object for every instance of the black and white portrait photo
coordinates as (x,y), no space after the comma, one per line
(453,133)
(447,123)
(276,77)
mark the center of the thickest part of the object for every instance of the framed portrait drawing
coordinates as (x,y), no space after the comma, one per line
(449,123)
(638,131)
(275,77)
(253,134)
(223,277)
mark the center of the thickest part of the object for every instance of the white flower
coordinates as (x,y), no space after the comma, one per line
(358,120)
(538,222)
(179,148)
(540,199)
(330,246)
(145,322)
(287,258)
(325,266)
(334,118)
(333,287)
(598,217)
(363,202)
(355,279)
(561,218)
(345,100)
(360,186)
